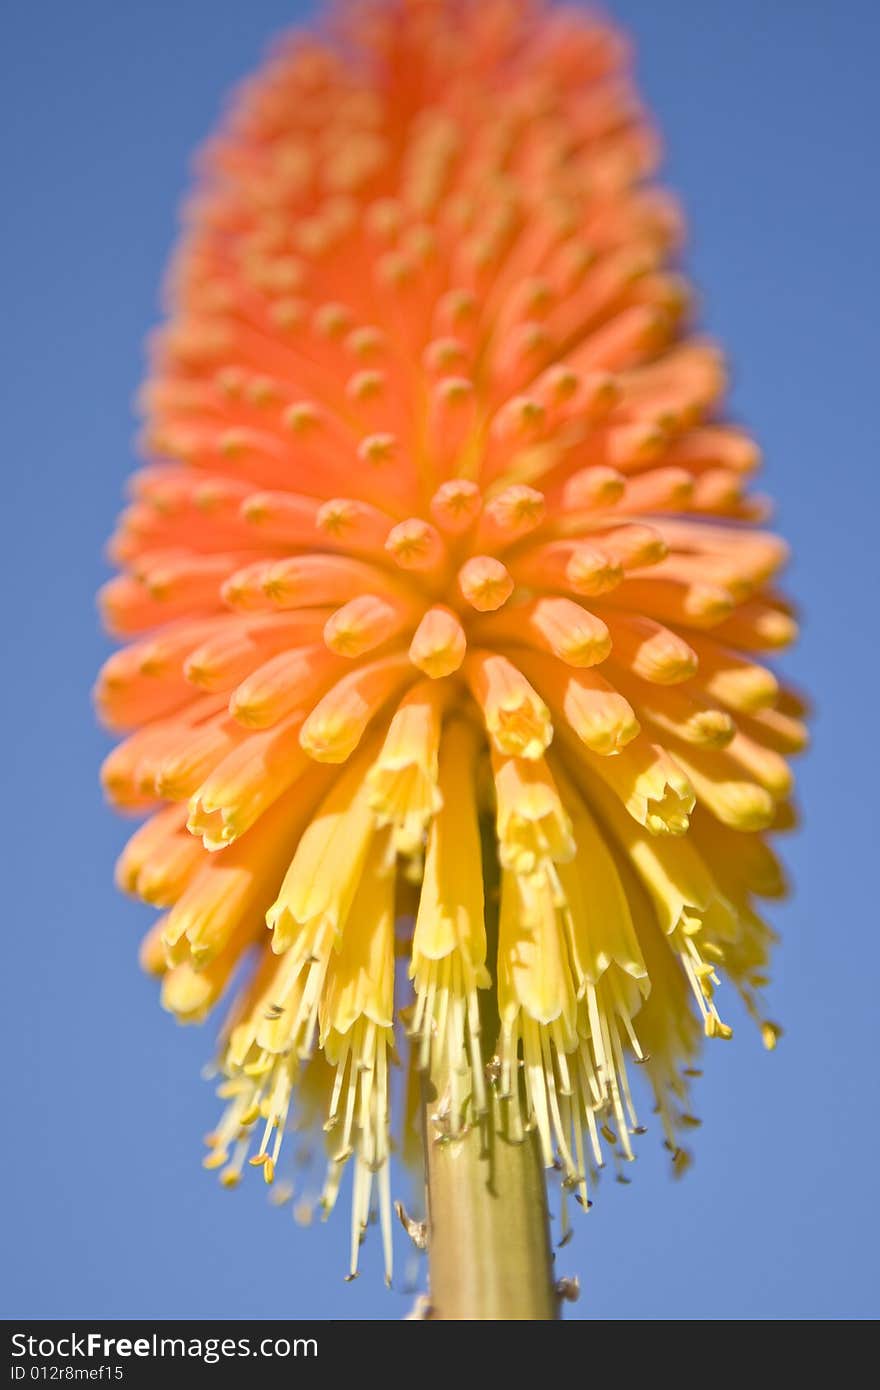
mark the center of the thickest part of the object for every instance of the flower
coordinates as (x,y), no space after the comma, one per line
(446,607)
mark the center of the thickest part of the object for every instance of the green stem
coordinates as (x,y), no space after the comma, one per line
(488,1228)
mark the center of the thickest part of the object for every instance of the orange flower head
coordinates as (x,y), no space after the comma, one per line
(445,609)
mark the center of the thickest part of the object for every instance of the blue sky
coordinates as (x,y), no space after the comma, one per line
(769,114)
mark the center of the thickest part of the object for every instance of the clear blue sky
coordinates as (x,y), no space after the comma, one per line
(769,113)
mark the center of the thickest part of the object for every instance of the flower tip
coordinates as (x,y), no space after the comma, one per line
(414,545)
(456,505)
(439,643)
(770,1034)
(485,583)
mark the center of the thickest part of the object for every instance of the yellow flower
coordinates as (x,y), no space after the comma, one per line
(447,611)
